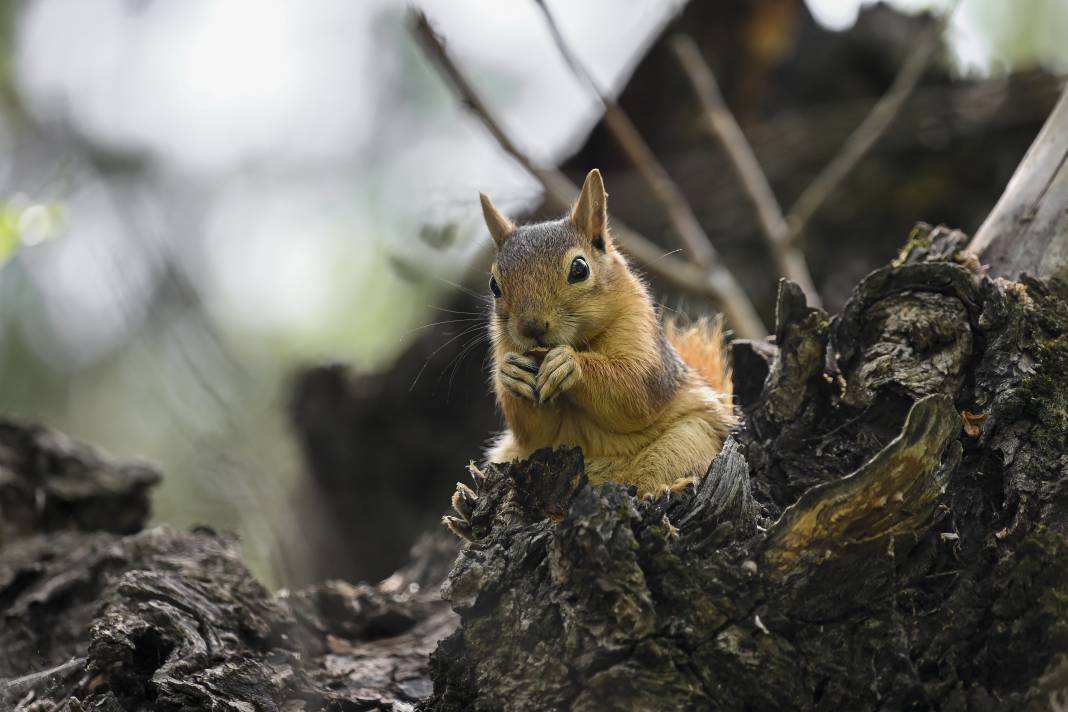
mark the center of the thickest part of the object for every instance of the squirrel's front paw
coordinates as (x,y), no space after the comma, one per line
(559,371)
(464,501)
(519,375)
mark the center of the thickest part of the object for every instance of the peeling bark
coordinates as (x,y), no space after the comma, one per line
(893,494)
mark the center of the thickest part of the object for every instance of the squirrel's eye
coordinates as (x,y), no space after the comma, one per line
(579,270)
(495,288)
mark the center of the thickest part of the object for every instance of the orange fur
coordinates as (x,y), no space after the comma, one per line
(701,346)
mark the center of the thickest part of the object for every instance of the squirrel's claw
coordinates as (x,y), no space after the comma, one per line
(664,491)
(464,501)
(672,530)
(682,484)
(518,374)
(559,372)
(458,527)
(477,475)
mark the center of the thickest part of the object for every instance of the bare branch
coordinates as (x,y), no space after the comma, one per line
(713,282)
(789,260)
(1027,231)
(20,685)
(868,133)
(664,190)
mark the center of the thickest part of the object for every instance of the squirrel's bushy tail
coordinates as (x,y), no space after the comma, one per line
(700,344)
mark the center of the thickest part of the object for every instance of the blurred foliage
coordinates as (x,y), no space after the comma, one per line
(27,225)
(1024,34)
(8,98)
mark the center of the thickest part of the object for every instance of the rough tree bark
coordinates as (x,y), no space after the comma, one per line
(891,534)
(94,617)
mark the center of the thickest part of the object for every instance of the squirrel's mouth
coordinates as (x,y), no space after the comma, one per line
(529,345)
(536,346)
(558,334)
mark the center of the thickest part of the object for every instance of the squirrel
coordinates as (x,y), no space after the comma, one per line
(581,357)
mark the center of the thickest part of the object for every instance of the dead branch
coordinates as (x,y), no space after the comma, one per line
(867,134)
(1027,231)
(664,190)
(713,282)
(789,260)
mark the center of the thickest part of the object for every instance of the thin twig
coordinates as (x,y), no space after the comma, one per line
(870,130)
(666,192)
(789,260)
(18,685)
(714,282)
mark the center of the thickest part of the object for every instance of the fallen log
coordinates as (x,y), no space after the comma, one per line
(163,619)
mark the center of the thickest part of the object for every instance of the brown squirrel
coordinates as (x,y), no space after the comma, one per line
(580,357)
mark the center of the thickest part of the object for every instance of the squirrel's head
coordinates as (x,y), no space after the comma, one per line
(553,282)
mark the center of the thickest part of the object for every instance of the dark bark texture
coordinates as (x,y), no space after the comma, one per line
(51,483)
(886,530)
(95,618)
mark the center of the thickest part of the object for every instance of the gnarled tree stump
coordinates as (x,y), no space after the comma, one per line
(896,540)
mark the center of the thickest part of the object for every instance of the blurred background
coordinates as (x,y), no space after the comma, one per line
(241,239)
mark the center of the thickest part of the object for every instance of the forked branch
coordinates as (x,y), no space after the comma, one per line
(712,282)
(868,133)
(663,189)
(789,260)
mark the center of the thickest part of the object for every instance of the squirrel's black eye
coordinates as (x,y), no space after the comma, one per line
(495,288)
(579,270)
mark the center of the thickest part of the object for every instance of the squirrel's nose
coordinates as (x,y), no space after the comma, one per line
(533,329)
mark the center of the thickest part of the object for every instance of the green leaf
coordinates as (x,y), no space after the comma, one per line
(9,232)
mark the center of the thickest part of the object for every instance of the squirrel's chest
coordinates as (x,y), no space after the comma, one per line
(566,425)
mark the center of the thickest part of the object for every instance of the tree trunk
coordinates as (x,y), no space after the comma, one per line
(92,619)
(1028,229)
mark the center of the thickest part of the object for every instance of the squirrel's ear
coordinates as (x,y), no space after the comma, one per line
(590,213)
(499,226)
